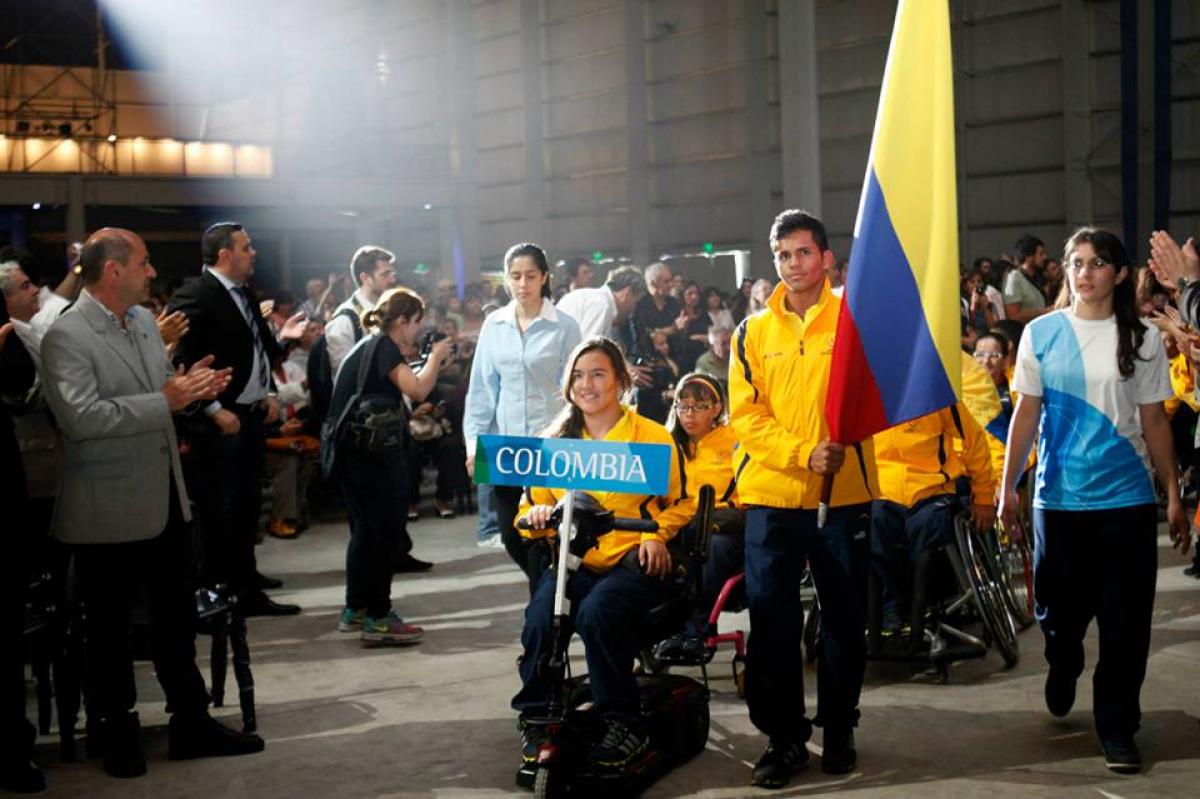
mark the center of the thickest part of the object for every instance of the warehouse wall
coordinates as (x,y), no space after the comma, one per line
(644,127)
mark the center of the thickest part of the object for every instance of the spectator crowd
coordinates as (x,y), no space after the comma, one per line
(152,435)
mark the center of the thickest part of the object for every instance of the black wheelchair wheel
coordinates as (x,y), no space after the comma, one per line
(1014,558)
(989,600)
(547,784)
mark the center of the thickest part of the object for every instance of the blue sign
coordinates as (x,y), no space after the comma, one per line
(624,468)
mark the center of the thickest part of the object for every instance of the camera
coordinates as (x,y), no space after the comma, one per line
(427,342)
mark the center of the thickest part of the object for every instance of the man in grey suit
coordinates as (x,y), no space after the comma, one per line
(122,505)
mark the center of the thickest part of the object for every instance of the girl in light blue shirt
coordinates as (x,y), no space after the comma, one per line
(515,378)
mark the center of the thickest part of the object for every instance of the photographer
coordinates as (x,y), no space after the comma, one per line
(367,429)
(514,390)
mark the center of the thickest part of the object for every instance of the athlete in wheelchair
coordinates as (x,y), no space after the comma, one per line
(922,547)
(619,581)
(700,427)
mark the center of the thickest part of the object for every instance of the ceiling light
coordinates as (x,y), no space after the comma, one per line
(112,138)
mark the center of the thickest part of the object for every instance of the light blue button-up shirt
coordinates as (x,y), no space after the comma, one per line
(516,379)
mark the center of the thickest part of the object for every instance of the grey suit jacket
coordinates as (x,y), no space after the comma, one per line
(104,386)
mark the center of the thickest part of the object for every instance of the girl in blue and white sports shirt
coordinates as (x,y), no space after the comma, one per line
(1094,379)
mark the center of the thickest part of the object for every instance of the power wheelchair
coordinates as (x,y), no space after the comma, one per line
(673,708)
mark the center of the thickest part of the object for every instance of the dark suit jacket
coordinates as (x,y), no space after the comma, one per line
(217,327)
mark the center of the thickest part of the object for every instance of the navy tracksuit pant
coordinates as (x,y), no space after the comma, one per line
(778,544)
(606,610)
(1100,564)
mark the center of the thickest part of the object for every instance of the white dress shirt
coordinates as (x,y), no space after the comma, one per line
(339,331)
(594,309)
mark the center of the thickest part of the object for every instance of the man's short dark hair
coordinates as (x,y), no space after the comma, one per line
(364,260)
(626,277)
(791,220)
(1026,246)
(574,265)
(99,249)
(218,237)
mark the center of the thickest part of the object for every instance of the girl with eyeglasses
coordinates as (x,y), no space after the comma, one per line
(1091,384)
(700,427)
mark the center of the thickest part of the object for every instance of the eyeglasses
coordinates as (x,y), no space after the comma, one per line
(988,356)
(1094,265)
(699,407)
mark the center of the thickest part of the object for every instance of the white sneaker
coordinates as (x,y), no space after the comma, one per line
(491,542)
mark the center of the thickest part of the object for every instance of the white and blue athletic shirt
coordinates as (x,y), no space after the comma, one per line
(1091,451)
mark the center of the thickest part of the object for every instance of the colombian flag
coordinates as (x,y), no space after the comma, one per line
(896,354)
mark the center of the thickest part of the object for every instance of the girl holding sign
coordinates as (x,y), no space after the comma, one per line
(620,579)
(519,361)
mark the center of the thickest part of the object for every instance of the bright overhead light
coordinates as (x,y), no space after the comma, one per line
(37,206)
(112,138)
(428,206)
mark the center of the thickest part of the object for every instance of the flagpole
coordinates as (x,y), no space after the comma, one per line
(823,506)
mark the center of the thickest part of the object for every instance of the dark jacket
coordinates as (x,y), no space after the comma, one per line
(217,327)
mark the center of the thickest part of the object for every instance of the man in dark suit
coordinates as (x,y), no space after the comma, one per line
(122,506)
(18,773)
(228,448)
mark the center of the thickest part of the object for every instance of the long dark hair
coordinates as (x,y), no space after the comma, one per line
(539,259)
(569,423)
(1130,330)
(701,386)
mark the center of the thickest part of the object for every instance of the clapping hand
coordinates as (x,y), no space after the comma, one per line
(293,328)
(200,382)
(172,326)
(1169,261)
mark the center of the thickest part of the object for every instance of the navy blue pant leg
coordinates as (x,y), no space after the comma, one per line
(1102,565)
(775,561)
(839,556)
(609,623)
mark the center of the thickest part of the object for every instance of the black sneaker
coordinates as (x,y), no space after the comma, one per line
(1121,756)
(621,744)
(1193,570)
(682,648)
(1060,692)
(779,762)
(839,756)
(532,738)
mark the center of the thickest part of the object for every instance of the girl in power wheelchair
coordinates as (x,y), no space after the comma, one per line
(620,580)
(700,426)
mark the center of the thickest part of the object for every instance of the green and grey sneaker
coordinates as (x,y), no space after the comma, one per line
(351,621)
(391,629)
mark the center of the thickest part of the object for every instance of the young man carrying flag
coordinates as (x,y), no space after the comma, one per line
(885,354)
(778,379)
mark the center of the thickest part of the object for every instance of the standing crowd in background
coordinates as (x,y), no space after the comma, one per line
(151,437)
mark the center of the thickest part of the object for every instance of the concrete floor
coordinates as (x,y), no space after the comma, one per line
(433,720)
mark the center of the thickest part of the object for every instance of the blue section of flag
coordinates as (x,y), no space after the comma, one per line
(570,463)
(883,298)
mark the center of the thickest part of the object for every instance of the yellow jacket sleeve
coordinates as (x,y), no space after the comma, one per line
(759,432)
(678,507)
(977,459)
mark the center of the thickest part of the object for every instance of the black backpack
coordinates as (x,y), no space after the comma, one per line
(320,375)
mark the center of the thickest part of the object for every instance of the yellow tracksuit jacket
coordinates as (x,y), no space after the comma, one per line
(712,464)
(672,511)
(778,379)
(918,460)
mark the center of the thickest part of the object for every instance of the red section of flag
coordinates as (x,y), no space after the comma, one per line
(853,406)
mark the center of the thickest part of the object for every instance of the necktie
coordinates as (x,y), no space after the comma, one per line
(248,314)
